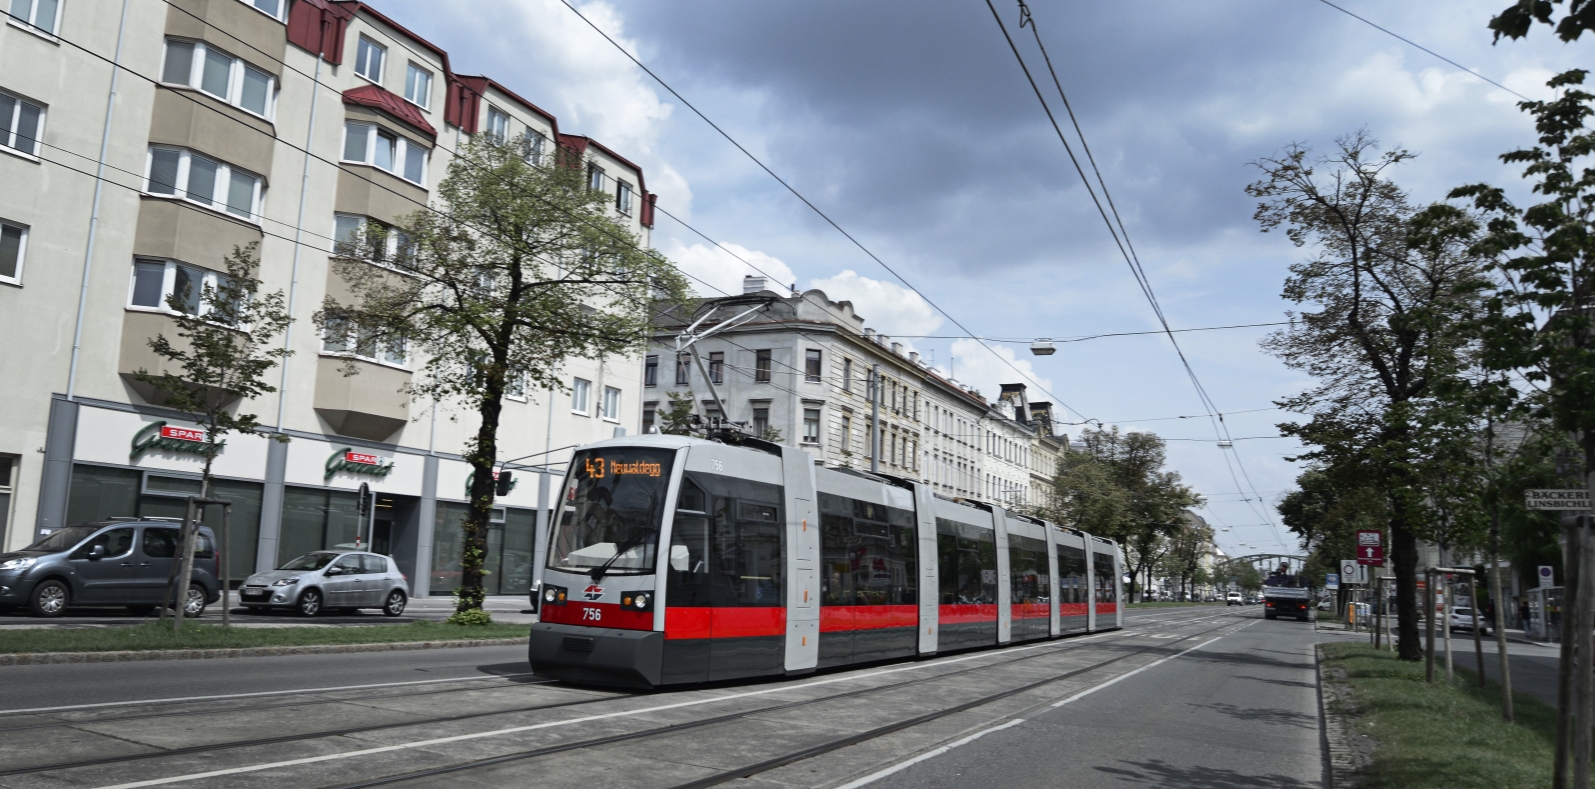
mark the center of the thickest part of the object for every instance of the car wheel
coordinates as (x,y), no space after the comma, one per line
(50,598)
(395,605)
(195,607)
(309,603)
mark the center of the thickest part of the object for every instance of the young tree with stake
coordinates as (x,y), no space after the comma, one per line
(522,267)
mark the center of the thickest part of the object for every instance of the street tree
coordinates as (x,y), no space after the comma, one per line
(1383,303)
(521,266)
(226,342)
(1515,20)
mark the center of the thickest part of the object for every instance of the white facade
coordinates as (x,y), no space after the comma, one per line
(232,96)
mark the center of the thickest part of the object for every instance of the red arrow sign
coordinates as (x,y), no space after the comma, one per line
(1371,555)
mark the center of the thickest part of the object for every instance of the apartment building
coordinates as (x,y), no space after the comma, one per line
(797,370)
(141,141)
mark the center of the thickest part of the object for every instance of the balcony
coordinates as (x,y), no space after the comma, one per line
(369,405)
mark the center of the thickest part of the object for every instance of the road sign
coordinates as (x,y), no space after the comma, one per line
(1371,555)
(1331,580)
(1369,537)
(1352,571)
(1574,500)
(1547,576)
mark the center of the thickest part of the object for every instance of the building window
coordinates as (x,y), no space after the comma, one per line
(360,236)
(271,8)
(498,124)
(847,375)
(13,246)
(649,418)
(198,65)
(811,366)
(156,281)
(515,387)
(41,15)
(362,343)
(579,390)
(682,374)
(847,432)
(611,404)
(365,143)
(811,425)
(418,86)
(761,366)
(761,420)
(717,366)
(176,172)
(368,59)
(623,198)
(21,124)
(595,177)
(650,371)
(532,147)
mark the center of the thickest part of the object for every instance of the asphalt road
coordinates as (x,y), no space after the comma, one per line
(1202,697)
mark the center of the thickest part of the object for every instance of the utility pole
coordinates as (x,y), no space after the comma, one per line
(875,418)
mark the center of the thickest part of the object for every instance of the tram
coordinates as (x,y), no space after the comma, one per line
(677,560)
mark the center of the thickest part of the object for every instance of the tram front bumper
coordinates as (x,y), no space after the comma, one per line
(597,655)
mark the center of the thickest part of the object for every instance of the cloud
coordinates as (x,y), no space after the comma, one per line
(987,370)
(886,306)
(713,272)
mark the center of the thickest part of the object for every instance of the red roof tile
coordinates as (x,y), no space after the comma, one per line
(378,98)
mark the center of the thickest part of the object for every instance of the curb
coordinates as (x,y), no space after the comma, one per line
(1343,759)
(41,658)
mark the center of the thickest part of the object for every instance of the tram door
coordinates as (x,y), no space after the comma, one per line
(1074,584)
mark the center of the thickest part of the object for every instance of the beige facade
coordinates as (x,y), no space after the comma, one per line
(216,103)
(801,369)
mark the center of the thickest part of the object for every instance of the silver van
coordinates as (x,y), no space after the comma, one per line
(120,562)
(323,580)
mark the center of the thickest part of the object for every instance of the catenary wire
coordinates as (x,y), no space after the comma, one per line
(1423,48)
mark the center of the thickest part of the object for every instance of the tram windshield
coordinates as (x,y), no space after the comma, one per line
(613,503)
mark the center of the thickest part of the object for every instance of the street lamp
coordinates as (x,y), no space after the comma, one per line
(1043,347)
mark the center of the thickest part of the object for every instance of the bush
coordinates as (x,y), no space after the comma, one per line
(474,617)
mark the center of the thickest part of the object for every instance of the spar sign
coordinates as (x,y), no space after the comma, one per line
(162,436)
(348,461)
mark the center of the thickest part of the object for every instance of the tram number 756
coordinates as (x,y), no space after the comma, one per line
(593,614)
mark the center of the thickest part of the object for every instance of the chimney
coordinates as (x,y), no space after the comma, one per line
(1041,414)
(897,348)
(752,284)
(913,356)
(869,334)
(882,339)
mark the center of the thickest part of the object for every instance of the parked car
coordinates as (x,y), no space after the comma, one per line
(118,562)
(1233,598)
(1462,619)
(323,580)
(1326,604)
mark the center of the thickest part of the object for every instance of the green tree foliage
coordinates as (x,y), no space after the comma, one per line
(523,267)
(1515,20)
(222,353)
(1385,298)
(679,416)
(1116,487)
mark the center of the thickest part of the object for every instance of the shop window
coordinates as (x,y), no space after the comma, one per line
(101,492)
(196,64)
(315,519)
(511,539)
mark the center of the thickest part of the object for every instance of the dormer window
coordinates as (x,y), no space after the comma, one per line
(368,59)
(595,177)
(623,198)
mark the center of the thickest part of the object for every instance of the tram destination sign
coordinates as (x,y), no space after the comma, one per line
(1574,500)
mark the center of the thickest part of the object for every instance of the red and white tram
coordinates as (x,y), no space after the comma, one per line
(680,560)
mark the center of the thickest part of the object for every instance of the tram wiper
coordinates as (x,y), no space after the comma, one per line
(620,550)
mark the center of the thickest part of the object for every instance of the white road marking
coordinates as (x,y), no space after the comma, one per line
(1093,689)
(584,719)
(266,693)
(904,765)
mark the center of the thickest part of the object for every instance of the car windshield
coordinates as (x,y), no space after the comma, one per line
(62,539)
(614,500)
(310,561)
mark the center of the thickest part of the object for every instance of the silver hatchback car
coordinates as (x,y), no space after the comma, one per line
(329,580)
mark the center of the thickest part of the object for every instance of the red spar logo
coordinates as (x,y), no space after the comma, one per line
(593,592)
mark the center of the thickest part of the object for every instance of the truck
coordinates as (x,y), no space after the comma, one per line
(1284,594)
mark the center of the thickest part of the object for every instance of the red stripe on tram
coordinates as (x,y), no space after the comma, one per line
(696,622)
(1073,609)
(1107,608)
(966,613)
(843,618)
(603,615)
(1032,611)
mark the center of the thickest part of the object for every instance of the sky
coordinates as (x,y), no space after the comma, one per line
(911,125)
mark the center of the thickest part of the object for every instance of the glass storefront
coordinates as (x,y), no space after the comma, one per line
(510,540)
(314,519)
(100,492)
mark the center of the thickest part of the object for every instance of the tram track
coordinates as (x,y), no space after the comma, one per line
(731,775)
(1059,647)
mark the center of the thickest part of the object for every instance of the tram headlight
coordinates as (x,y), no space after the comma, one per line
(554,595)
(637,601)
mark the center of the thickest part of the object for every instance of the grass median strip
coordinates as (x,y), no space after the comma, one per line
(1434,735)
(202,636)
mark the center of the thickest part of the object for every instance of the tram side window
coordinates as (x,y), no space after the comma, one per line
(1027,569)
(1071,574)
(1107,590)
(868,553)
(726,545)
(967,563)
